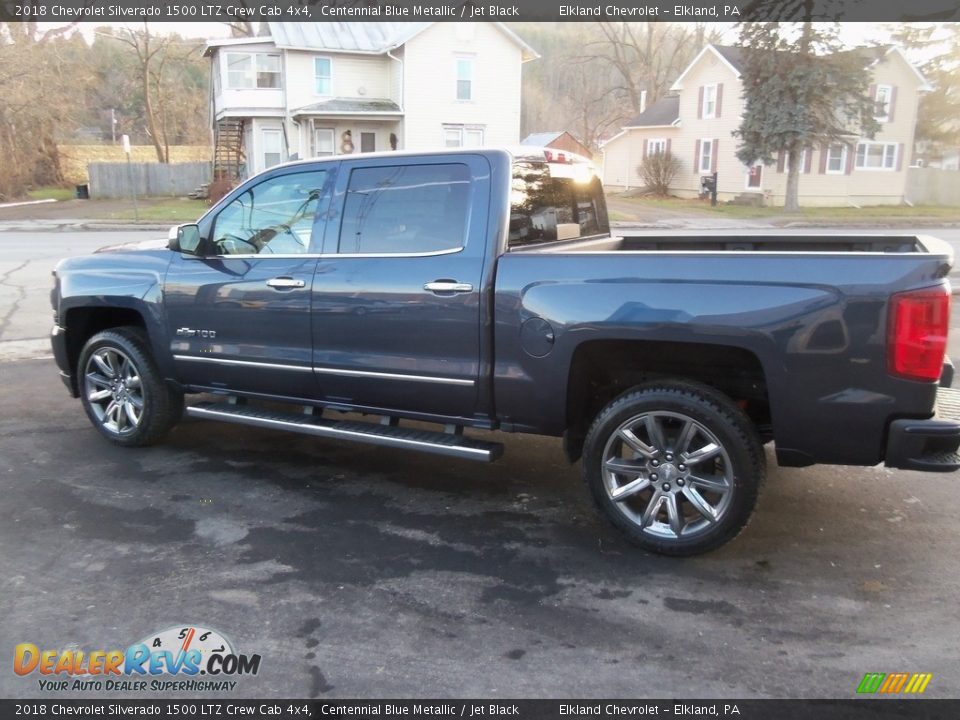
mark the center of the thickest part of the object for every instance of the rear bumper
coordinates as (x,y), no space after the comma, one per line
(928,445)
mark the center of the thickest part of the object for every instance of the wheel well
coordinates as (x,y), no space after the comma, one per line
(85,322)
(603,369)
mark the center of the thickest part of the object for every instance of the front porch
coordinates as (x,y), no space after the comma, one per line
(344,126)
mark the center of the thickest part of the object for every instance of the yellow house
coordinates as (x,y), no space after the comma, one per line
(696,123)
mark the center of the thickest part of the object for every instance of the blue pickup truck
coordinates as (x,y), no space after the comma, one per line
(483,290)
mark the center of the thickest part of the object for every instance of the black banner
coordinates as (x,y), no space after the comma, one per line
(102,11)
(872,709)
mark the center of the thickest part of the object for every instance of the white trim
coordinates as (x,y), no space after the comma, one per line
(843,159)
(925,85)
(712,114)
(656,141)
(652,127)
(678,83)
(709,169)
(330,60)
(472,65)
(876,93)
(883,167)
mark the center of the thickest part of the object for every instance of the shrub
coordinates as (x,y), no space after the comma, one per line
(658,171)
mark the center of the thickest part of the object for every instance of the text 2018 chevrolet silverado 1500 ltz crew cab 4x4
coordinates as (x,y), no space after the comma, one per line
(482,289)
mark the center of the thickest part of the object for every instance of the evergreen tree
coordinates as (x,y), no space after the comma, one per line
(801,90)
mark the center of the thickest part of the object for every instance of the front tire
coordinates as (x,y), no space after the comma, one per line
(675,466)
(122,390)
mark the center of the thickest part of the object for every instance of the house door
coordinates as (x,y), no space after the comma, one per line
(754,176)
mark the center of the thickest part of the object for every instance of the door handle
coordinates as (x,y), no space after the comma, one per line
(285,283)
(448,286)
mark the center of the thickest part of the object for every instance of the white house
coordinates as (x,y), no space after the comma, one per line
(316,89)
(695,123)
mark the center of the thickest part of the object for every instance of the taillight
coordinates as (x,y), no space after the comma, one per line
(917,338)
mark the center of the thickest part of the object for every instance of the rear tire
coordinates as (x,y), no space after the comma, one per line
(675,466)
(123,392)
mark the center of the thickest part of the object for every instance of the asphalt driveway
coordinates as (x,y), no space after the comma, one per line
(361,572)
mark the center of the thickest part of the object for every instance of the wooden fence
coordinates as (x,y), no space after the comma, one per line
(113,180)
(933,186)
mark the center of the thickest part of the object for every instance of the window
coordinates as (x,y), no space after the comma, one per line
(273,217)
(883,98)
(462,136)
(551,202)
(272,142)
(322,76)
(406,209)
(705,160)
(876,156)
(253,70)
(464,79)
(709,101)
(657,146)
(323,142)
(803,161)
(368,142)
(837,159)
(472,137)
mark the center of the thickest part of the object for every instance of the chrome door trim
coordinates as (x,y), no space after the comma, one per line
(285,283)
(242,363)
(394,376)
(444,286)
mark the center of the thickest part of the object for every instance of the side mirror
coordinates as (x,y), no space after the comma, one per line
(187,239)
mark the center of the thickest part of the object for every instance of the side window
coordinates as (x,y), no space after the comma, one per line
(406,209)
(272,218)
(555,202)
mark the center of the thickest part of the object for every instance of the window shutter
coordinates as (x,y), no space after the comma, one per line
(713,160)
(700,103)
(824,149)
(719,98)
(851,153)
(781,161)
(808,159)
(899,157)
(668,146)
(644,143)
(696,159)
(893,102)
(873,91)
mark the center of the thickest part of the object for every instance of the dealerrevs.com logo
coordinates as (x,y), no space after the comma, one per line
(184,658)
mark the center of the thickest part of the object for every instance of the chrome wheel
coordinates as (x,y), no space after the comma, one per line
(668,474)
(114,390)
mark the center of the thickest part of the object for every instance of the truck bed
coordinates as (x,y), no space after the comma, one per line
(772,243)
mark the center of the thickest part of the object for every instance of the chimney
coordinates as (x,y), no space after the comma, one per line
(643,100)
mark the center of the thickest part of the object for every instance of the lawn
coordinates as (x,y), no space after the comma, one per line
(51,193)
(172,209)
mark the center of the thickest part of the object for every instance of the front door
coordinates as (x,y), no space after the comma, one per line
(239,317)
(396,297)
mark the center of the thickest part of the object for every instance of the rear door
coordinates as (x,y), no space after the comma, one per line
(239,317)
(396,297)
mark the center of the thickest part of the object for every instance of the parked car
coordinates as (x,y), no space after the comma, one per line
(483,290)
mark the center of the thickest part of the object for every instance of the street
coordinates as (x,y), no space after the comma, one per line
(358,572)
